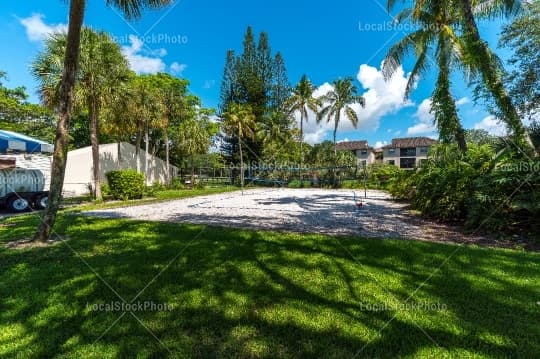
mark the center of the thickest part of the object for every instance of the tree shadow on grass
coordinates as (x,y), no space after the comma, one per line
(236,293)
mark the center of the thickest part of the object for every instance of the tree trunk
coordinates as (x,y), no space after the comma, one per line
(336,124)
(138,140)
(301,139)
(146,146)
(119,152)
(58,169)
(460,139)
(167,162)
(241,162)
(491,75)
(94,140)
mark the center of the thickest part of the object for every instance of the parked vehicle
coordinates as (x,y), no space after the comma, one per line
(22,189)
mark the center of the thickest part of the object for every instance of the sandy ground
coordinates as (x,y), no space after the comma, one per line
(299,210)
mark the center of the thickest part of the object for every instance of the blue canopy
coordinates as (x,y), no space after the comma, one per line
(13,141)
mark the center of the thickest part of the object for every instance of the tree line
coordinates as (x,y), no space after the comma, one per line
(258,105)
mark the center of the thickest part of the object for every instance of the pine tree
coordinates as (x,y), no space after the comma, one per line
(258,79)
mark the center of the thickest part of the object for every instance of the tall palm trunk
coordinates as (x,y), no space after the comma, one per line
(138,140)
(301,138)
(336,124)
(58,169)
(241,161)
(167,161)
(94,140)
(491,76)
(146,146)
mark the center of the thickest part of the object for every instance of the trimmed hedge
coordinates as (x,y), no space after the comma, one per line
(125,184)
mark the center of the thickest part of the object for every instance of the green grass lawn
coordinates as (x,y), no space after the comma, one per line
(247,294)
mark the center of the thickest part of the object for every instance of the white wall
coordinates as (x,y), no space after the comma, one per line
(79,166)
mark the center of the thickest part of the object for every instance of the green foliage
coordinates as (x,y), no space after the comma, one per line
(379,175)
(256,78)
(522,36)
(126,184)
(177,183)
(17,114)
(484,190)
(150,191)
(299,184)
(402,186)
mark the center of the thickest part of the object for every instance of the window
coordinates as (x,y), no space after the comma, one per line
(407,162)
(392,150)
(407,152)
(391,162)
(423,150)
(363,152)
(363,162)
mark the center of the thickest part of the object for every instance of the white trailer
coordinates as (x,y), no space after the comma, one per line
(22,189)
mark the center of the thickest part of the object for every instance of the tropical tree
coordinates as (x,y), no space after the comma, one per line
(339,99)
(302,100)
(131,8)
(522,37)
(479,58)
(435,36)
(102,68)
(240,120)
(172,95)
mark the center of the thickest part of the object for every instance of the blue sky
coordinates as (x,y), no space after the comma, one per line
(324,40)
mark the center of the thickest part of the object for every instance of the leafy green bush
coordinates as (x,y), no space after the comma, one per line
(487,191)
(126,184)
(379,175)
(154,188)
(105,190)
(352,184)
(177,183)
(402,185)
(299,184)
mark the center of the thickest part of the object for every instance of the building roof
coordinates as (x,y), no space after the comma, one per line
(411,142)
(353,145)
(13,141)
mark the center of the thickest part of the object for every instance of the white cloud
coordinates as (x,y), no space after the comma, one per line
(37,30)
(462,101)
(492,125)
(379,144)
(177,68)
(142,61)
(424,124)
(208,84)
(382,98)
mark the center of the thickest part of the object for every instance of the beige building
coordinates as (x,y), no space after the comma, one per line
(407,153)
(113,156)
(364,154)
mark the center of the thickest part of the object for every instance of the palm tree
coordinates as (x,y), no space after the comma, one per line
(446,47)
(131,8)
(301,100)
(102,68)
(477,55)
(340,98)
(240,120)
